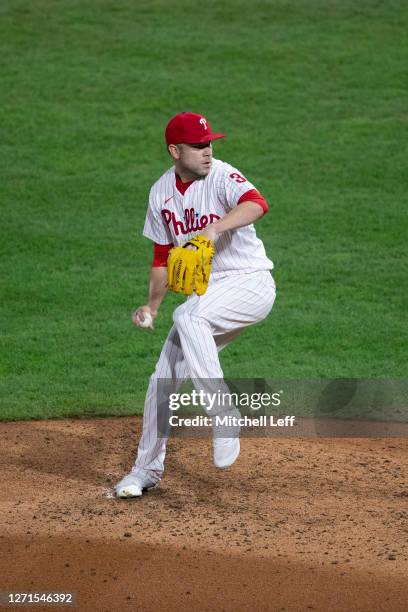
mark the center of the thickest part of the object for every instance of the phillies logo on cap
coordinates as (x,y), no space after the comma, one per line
(190,128)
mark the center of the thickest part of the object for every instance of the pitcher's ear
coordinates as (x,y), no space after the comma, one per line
(174,151)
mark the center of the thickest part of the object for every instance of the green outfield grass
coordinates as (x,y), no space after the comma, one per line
(312,95)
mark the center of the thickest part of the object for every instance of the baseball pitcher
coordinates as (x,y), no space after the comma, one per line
(200,218)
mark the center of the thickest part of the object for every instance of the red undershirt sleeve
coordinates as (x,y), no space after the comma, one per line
(254,196)
(160,254)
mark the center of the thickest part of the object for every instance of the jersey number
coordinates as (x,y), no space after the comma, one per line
(237,177)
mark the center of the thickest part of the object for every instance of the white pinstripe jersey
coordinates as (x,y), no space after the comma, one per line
(175,218)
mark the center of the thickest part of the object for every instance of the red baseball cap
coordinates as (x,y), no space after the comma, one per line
(189,128)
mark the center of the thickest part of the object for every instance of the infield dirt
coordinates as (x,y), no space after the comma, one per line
(295,524)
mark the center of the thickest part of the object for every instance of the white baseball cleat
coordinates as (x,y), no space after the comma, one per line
(131,486)
(131,490)
(226,451)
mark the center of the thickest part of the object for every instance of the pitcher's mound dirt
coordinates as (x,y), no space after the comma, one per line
(293,525)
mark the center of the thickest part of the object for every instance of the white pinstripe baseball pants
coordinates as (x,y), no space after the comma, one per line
(203,326)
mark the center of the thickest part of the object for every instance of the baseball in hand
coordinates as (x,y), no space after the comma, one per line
(148,320)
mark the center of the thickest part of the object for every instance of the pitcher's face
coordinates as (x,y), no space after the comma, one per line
(192,160)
